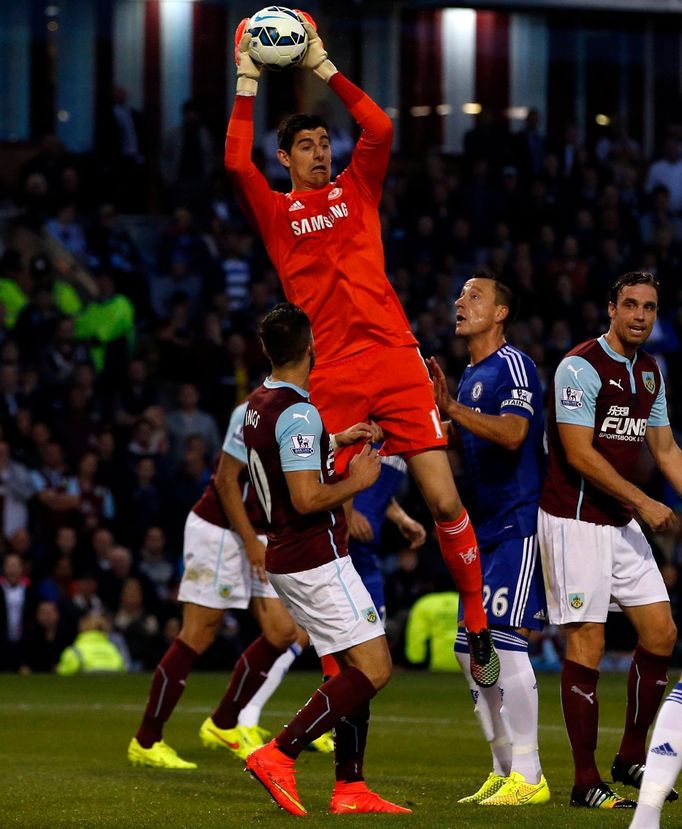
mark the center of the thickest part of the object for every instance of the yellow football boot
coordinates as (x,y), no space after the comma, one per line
(159,756)
(516,792)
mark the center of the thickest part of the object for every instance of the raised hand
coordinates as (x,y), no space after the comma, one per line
(248,71)
(441,393)
(316,55)
(365,467)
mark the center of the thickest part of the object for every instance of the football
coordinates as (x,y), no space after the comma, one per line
(278,39)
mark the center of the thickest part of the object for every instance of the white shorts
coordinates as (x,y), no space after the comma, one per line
(217,571)
(331,604)
(590,569)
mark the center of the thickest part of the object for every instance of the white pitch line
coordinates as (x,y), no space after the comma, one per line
(190,710)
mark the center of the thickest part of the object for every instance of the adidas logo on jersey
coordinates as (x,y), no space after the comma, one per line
(297,205)
(665,749)
(539,615)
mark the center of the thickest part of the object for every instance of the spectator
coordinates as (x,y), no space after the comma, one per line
(112,580)
(12,398)
(92,651)
(36,323)
(146,506)
(44,640)
(139,628)
(667,172)
(176,340)
(95,503)
(16,285)
(616,147)
(56,587)
(155,562)
(188,159)
(98,559)
(122,147)
(64,295)
(487,141)
(61,356)
(84,596)
(431,630)
(188,419)
(114,251)
(190,481)
(68,231)
(49,485)
(659,216)
(77,424)
(64,545)
(21,542)
(529,147)
(16,488)
(108,326)
(36,201)
(17,603)
(136,393)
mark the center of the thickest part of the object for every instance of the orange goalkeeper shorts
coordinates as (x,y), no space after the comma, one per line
(388,384)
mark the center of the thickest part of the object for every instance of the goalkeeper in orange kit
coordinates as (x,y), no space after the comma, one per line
(324,239)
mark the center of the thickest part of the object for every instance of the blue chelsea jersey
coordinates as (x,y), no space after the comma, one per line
(502,487)
(373,502)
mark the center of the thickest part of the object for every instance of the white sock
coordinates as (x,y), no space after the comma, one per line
(487,704)
(663,762)
(250,713)
(519,691)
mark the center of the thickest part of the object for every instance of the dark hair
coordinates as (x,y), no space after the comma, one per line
(632,278)
(289,126)
(503,294)
(285,333)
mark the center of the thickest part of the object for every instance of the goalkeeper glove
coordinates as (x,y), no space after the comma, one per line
(316,55)
(248,71)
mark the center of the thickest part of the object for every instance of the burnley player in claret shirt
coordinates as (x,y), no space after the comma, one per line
(324,240)
(607,399)
(291,466)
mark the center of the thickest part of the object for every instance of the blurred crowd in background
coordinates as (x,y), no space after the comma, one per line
(130,298)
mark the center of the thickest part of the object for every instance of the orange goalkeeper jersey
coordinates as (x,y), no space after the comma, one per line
(326,244)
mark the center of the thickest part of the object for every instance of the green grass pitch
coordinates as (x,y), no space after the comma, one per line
(63,758)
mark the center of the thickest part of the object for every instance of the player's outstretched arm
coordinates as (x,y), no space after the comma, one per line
(230,494)
(371,432)
(584,458)
(308,494)
(251,185)
(373,150)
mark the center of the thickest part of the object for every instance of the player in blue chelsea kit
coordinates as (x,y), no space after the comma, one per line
(371,508)
(498,419)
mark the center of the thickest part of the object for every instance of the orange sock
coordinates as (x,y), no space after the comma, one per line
(459,549)
(330,667)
